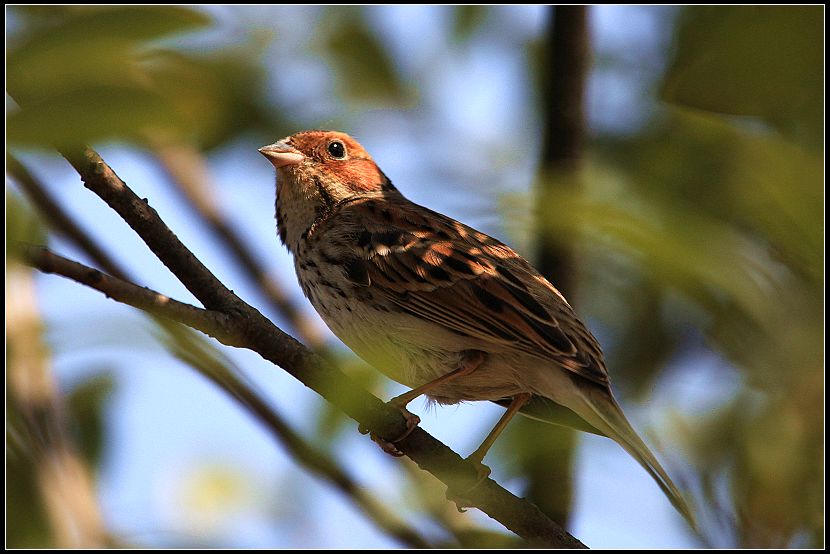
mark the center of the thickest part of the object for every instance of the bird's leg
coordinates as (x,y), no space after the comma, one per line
(476,457)
(470,361)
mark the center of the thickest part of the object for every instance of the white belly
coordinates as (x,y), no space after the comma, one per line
(413,352)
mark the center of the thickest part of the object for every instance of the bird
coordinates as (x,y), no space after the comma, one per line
(436,305)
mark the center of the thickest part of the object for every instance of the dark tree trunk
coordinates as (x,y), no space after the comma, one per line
(549,450)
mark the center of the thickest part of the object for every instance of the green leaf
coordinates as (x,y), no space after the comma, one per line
(86,406)
(97,74)
(22,225)
(90,114)
(365,71)
(78,77)
(215,96)
(88,47)
(763,61)
(131,23)
(466,20)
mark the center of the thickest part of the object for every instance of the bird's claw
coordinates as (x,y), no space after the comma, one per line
(482,470)
(459,497)
(461,503)
(389,447)
(386,446)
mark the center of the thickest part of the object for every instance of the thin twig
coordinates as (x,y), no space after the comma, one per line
(263,337)
(215,324)
(58,218)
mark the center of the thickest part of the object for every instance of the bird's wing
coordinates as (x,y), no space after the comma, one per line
(438,269)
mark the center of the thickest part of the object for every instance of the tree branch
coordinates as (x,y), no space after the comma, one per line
(58,218)
(102,180)
(215,324)
(263,337)
(189,173)
(209,362)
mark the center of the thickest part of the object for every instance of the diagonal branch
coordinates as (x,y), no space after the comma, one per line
(102,180)
(215,324)
(263,337)
(185,348)
(189,173)
(209,362)
(58,218)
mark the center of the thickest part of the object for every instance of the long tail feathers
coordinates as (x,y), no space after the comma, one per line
(603,412)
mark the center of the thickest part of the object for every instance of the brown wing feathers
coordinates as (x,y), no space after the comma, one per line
(440,271)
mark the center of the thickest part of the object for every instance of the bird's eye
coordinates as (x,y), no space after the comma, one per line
(337,150)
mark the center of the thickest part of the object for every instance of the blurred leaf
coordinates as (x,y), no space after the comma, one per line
(756,181)
(215,97)
(86,404)
(330,419)
(86,79)
(22,225)
(764,61)
(365,70)
(467,19)
(90,114)
(136,23)
(680,246)
(89,47)
(27,525)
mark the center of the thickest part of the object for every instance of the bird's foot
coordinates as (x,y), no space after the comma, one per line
(462,502)
(389,447)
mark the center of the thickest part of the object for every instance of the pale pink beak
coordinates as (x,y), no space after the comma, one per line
(281,154)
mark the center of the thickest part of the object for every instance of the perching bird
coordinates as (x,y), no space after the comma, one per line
(436,305)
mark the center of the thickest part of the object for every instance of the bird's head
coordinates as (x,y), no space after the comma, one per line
(315,171)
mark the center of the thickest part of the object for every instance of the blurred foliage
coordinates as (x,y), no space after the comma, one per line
(467,19)
(713,224)
(104,73)
(47,487)
(22,225)
(699,232)
(27,524)
(86,405)
(362,65)
(761,61)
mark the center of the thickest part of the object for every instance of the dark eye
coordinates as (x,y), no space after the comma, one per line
(337,150)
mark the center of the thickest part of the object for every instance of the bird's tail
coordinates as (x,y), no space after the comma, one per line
(601,410)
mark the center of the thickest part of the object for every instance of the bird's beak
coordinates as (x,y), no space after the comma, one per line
(280,154)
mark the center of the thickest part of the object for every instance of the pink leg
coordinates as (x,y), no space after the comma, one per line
(471,361)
